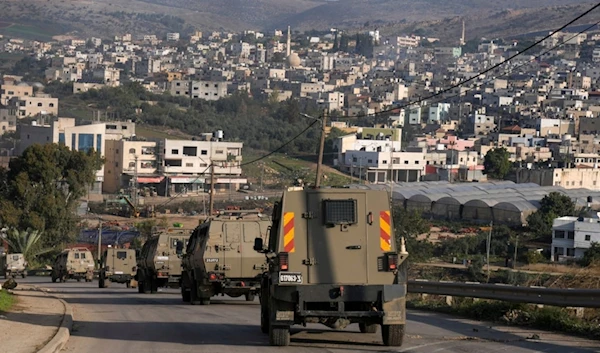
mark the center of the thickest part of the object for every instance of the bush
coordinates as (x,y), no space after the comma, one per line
(533,257)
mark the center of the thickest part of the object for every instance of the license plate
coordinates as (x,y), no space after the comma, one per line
(118,272)
(290,277)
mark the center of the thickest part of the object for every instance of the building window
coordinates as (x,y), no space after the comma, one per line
(219,151)
(370,161)
(190,151)
(51,105)
(99,143)
(61,138)
(405,162)
(73,139)
(570,235)
(588,237)
(416,162)
(131,164)
(86,142)
(189,164)
(132,150)
(173,162)
(39,104)
(174,151)
(384,162)
(559,234)
(570,252)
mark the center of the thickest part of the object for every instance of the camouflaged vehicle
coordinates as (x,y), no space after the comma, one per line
(333,260)
(159,265)
(13,265)
(220,258)
(74,263)
(117,265)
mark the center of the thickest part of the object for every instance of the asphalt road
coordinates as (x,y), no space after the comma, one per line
(118,319)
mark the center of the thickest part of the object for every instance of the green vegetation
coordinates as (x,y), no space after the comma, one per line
(40,31)
(410,224)
(6,301)
(591,256)
(553,205)
(546,318)
(41,189)
(496,163)
(26,242)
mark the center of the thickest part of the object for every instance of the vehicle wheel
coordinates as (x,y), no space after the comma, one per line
(194,298)
(249,297)
(392,335)
(24,275)
(279,336)
(153,285)
(186,295)
(100,282)
(367,328)
(128,284)
(264,318)
(78,279)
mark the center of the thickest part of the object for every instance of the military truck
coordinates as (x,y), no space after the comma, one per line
(13,265)
(117,265)
(220,259)
(159,265)
(333,260)
(75,263)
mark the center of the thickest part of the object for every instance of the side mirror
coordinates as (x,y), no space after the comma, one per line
(258,245)
(137,253)
(179,248)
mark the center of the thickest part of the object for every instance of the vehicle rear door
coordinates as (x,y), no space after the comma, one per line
(232,249)
(337,231)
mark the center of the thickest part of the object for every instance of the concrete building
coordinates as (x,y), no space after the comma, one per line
(572,236)
(64,131)
(208,90)
(21,90)
(568,178)
(8,120)
(173,37)
(127,158)
(33,106)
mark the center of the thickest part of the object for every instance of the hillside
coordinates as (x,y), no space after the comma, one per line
(44,18)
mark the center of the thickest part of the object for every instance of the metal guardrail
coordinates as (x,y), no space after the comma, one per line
(586,298)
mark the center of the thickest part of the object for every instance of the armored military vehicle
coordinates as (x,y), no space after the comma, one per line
(117,265)
(74,263)
(159,265)
(220,259)
(13,265)
(333,260)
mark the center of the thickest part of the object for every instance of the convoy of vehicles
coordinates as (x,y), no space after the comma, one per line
(159,264)
(220,258)
(117,265)
(75,263)
(333,260)
(13,265)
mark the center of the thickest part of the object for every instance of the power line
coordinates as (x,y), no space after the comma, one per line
(482,72)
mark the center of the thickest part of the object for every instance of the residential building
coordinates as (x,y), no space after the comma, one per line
(8,91)
(34,106)
(572,236)
(208,90)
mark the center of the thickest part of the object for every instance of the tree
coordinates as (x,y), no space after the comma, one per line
(26,242)
(552,206)
(496,163)
(410,224)
(41,191)
(591,255)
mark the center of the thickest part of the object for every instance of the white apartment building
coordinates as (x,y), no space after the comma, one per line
(208,90)
(173,37)
(572,236)
(439,112)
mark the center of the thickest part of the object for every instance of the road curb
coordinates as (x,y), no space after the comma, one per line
(61,337)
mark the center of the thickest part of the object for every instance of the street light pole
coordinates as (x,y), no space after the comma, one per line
(489,240)
(99,240)
(323,121)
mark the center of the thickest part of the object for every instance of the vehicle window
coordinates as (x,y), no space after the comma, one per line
(121,255)
(15,257)
(76,255)
(340,211)
(83,255)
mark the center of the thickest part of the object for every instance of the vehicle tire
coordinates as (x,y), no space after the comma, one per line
(367,328)
(100,282)
(186,295)
(194,298)
(279,336)
(24,275)
(249,297)
(153,285)
(392,335)
(63,279)
(264,318)
(128,284)
(204,301)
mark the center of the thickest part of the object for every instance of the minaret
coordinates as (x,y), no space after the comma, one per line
(289,42)
(462,38)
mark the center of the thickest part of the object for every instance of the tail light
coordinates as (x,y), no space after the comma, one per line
(107,268)
(134,268)
(392,261)
(212,277)
(283,261)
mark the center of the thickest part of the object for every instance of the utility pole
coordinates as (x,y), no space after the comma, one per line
(211,201)
(516,247)
(489,240)
(99,240)
(262,174)
(135,183)
(321,148)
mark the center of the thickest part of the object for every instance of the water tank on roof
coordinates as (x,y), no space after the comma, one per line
(218,134)
(440,147)
(566,138)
